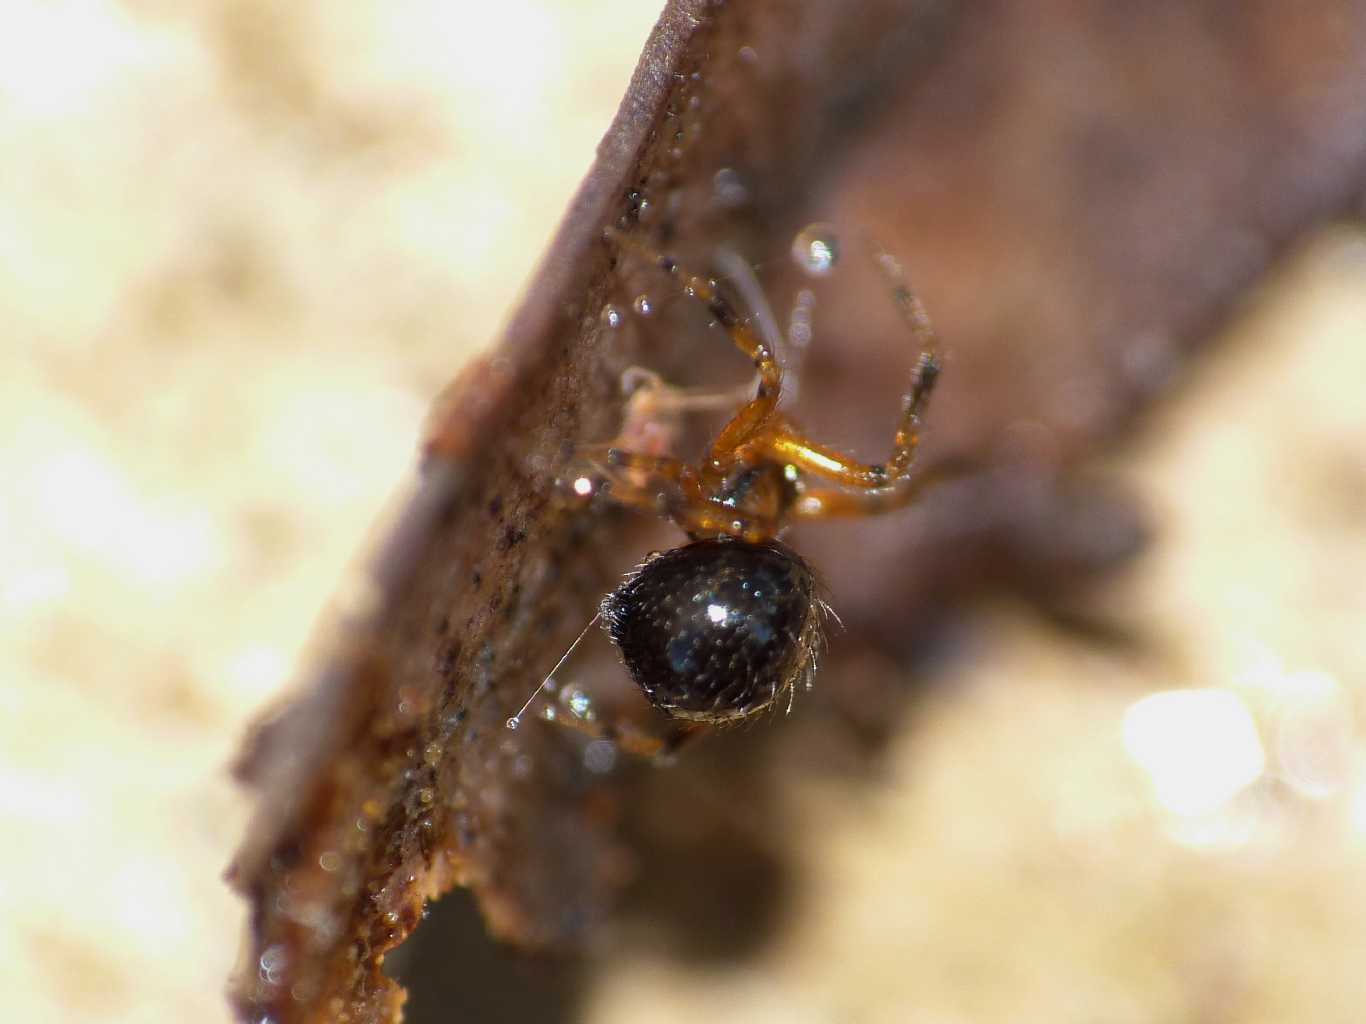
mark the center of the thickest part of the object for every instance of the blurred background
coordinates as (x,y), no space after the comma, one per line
(243,245)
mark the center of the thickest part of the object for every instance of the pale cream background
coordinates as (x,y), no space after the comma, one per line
(242,244)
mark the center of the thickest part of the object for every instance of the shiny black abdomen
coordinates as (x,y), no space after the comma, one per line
(717,629)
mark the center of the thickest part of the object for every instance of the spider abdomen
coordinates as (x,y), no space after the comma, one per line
(718,629)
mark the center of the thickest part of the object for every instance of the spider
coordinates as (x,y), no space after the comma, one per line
(726,626)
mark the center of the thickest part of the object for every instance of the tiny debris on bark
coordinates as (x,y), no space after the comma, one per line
(1079,192)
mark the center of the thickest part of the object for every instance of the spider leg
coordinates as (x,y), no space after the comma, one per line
(664,485)
(755,413)
(620,462)
(652,422)
(655,396)
(627,735)
(649,482)
(830,503)
(798,340)
(701,518)
(786,445)
(927,366)
(793,346)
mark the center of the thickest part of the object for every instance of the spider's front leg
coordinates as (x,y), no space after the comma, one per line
(653,420)
(754,414)
(665,486)
(652,483)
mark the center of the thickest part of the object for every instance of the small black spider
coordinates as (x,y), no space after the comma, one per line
(724,627)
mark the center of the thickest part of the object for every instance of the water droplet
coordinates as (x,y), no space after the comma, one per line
(642,305)
(431,754)
(728,188)
(600,757)
(816,249)
(330,860)
(272,964)
(426,794)
(611,316)
(580,704)
(513,722)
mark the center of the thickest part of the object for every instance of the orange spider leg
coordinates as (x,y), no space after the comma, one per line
(649,482)
(702,518)
(619,461)
(877,487)
(755,413)
(632,738)
(927,367)
(786,445)
(791,448)
(656,396)
(658,483)
(828,503)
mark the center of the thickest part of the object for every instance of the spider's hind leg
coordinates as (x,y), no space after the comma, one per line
(573,708)
(635,738)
